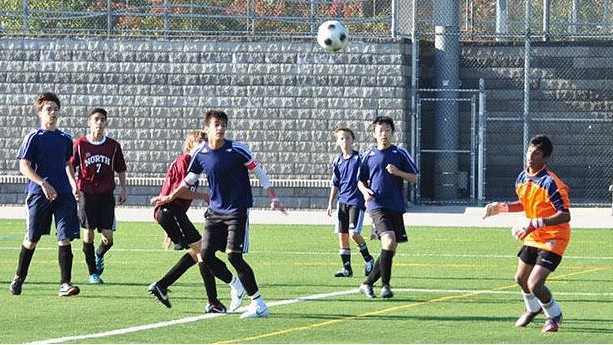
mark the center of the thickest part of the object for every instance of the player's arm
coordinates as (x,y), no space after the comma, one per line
(123,193)
(189,181)
(275,201)
(70,172)
(407,176)
(25,168)
(366,191)
(333,194)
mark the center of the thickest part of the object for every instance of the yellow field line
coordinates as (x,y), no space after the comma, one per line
(383,311)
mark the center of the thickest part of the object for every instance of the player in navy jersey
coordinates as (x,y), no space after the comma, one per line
(179,228)
(383,171)
(97,158)
(44,159)
(227,164)
(350,204)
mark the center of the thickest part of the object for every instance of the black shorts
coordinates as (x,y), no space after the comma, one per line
(350,218)
(536,256)
(40,210)
(177,225)
(384,220)
(226,231)
(97,211)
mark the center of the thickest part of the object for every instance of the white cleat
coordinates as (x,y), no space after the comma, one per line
(237,292)
(255,310)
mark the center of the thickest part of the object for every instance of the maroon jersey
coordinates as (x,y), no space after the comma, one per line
(174,176)
(96,164)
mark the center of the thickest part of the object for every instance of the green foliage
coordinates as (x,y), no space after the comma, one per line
(433,276)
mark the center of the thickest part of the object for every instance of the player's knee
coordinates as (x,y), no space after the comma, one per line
(236,260)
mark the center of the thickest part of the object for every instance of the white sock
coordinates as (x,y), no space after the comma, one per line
(551,309)
(531,302)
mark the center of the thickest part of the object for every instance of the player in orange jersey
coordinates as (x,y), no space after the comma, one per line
(545,232)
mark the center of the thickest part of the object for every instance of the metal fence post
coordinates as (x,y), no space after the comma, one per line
(526,114)
(481,145)
(109,17)
(25,25)
(546,8)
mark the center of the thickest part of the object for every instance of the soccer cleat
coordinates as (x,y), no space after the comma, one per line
(386,292)
(344,273)
(237,292)
(552,324)
(215,308)
(99,264)
(67,289)
(255,310)
(526,318)
(160,293)
(95,279)
(369,266)
(15,287)
(367,290)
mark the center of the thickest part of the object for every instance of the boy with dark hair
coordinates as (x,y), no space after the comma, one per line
(96,159)
(44,159)
(173,218)
(383,171)
(350,204)
(227,164)
(545,232)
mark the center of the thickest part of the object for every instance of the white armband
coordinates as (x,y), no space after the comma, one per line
(261,174)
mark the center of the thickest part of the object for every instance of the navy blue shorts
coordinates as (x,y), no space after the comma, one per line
(97,211)
(40,210)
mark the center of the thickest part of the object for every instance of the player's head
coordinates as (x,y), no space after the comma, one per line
(46,98)
(192,139)
(101,111)
(383,130)
(538,153)
(215,124)
(344,138)
(97,121)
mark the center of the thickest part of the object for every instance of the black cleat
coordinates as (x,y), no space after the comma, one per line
(386,292)
(344,273)
(160,293)
(367,290)
(215,308)
(15,287)
(526,318)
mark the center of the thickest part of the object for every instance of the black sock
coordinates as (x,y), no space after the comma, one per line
(346,259)
(65,259)
(103,248)
(364,251)
(90,260)
(209,282)
(386,266)
(184,263)
(25,258)
(244,272)
(375,274)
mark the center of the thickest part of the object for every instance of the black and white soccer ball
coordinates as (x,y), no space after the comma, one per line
(332,36)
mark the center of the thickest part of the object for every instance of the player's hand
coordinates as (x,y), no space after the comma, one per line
(49,191)
(329,211)
(392,169)
(525,227)
(495,208)
(370,194)
(160,199)
(276,205)
(122,197)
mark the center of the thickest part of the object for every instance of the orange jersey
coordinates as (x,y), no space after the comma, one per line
(542,195)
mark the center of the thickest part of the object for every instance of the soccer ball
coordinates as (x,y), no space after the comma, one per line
(332,36)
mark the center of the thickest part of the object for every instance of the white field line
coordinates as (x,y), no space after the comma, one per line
(490,256)
(134,329)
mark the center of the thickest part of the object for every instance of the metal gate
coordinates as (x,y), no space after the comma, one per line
(459,170)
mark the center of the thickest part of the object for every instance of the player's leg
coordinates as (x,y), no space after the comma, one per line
(525,265)
(546,263)
(105,211)
(87,219)
(388,249)
(356,221)
(342,229)
(39,223)
(68,229)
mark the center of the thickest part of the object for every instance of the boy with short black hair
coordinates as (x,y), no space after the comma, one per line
(383,171)
(96,159)
(44,159)
(545,232)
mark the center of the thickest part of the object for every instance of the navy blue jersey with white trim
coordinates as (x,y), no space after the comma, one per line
(227,171)
(345,178)
(387,187)
(48,153)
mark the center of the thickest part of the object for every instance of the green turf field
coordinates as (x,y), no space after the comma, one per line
(452,285)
